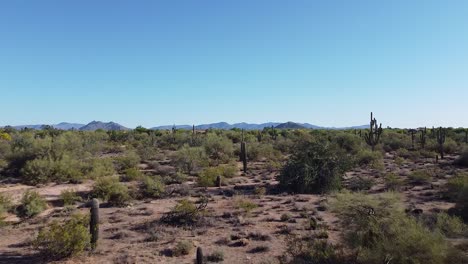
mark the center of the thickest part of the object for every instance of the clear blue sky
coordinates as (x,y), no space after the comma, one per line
(162,62)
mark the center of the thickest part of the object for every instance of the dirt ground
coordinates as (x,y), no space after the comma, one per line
(134,235)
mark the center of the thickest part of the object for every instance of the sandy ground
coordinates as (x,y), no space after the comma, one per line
(134,235)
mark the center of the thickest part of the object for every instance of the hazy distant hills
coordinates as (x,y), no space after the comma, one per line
(248,126)
(95,125)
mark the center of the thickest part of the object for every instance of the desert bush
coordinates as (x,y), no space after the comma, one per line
(419,177)
(127,161)
(395,141)
(182,248)
(185,213)
(132,174)
(349,142)
(152,187)
(57,241)
(43,170)
(392,182)
(368,158)
(6,205)
(244,204)
(285,217)
(190,158)
(304,250)
(450,226)
(462,160)
(216,256)
(99,167)
(378,230)
(360,184)
(69,197)
(32,204)
(313,168)
(455,186)
(219,149)
(111,190)
(259,151)
(207,177)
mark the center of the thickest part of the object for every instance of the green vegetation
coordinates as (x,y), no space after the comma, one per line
(314,168)
(152,187)
(111,190)
(69,197)
(182,248)
(61,240)
(31,205)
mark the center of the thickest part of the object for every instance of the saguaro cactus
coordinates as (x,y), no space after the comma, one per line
(372,138)
(199,256)
(218,181)
(422,137)
(244,156)
(440,135)
(94,223)
(412,132)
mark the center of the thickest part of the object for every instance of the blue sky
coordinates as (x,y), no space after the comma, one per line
(162,62)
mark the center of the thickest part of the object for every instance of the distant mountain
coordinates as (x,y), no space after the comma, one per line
(220,125)
(290,125)
(68,126)
(95,125)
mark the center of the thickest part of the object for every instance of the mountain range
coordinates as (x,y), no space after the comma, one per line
(94,125)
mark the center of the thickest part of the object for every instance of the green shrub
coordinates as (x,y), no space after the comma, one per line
(360,184)
(313,168)
(378,229)
(182,248)
(455,185)
(31,204)
(43,170)
(58,240)
(259,151)
(218,148)
(207,177)
(462,160)
(132,174)
(127,161)
(392,182)
(245,205)
(69,197)
(285,217)
(216,256)
(419,177)
(185,213)
(368,158)
(190,158)
(450,226)
(111,190)
(311,251)
(6,205)
(98,168)
(152,187)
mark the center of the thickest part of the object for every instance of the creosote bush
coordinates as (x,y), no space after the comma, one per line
(6,205)
(378,230)
(313,168)
(420,177)
(32,204)
(152,187)
(69,197)
(182,248)
(111,190)
(185,213)
(61,240)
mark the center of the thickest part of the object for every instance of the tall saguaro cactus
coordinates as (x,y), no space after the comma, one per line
(412,133)
(243,153)
(199,256)
(373,137)
(422,137)
(440,135)
(94,223)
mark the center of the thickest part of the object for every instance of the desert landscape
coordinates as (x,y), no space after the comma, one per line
(304,196)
